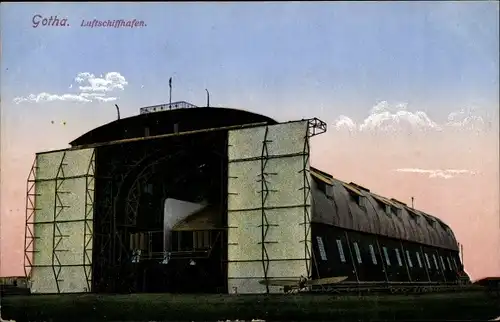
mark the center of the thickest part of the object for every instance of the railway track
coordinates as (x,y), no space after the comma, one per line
(391,288)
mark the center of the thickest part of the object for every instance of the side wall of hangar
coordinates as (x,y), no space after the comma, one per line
(274,200)
(370,238)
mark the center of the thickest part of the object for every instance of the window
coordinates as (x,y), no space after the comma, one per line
(321,248)
(427,261)
(356,195)
(358,254)
(430,221)
(201,239)
(409,259)
(413,214)
(386,255)
(362,202)
(449,263)
(435,261)
(322,186)
(454,263)
(372,252)
(442,263)
(148,188)
(382,203)
(329,190)
(398,257)
(418,260)
(341,251)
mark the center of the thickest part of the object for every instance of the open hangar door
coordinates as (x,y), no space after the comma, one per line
(269,202)
(59,222)
(136,183)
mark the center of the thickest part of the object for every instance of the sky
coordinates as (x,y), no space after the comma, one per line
(409,90)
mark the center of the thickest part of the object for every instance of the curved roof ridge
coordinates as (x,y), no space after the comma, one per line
(392,201)
(170,121)
(395,218)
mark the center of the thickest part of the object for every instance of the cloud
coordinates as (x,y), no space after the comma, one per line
(384,118)
(90,89)
(445,174)
(468,119)
(108,83)
(344,123)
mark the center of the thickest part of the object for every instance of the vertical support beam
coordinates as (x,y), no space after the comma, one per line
(56,232)
(106,167)
(88,226)
(382,259)
(306,189)
(441,265)
(264,194)
(424,259)
(352,257)
(406,261)
(224,204)
(29,238)
(462,265)
(314,127)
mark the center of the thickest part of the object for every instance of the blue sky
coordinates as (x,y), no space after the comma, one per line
(283,58)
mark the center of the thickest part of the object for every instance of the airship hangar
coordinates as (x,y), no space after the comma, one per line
(185,199)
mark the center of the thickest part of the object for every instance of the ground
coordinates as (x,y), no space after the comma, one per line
(163,307)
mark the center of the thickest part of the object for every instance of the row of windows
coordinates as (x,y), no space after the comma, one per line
(449,260)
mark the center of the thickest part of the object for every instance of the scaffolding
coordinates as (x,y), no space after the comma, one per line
(57,235)
(264,182)
(314,127)
(55,180)
(283,191)
(29,237)
(88,228)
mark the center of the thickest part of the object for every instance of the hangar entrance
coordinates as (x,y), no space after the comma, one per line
(145,239)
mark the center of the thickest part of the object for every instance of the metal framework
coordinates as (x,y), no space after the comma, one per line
(164,107)
(111,172)
(314,127)
(264,194)
(88,228)
(58,207)
(122,172)
(29,236)
(57,235)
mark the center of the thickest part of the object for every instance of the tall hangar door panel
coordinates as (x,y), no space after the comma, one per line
(268,206)
(60,210)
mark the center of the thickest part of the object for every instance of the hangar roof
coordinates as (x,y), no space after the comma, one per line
(169,121)
(351,206)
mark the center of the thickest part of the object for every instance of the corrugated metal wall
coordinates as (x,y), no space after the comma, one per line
(344,205)
(372,239)
(370,258)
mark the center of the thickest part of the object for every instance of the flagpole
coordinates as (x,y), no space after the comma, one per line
(170,97)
